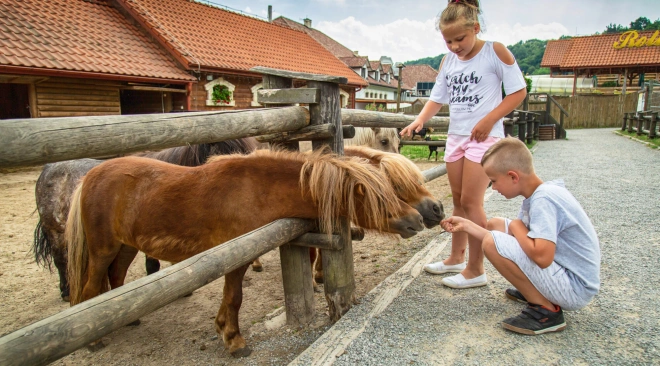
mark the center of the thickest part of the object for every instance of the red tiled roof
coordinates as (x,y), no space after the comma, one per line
(212,38)
(598,51)
(554,52)
(375,65)
(337,49)
(83,36)
(413,74)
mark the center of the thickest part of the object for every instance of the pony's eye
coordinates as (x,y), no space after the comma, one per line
(384,142)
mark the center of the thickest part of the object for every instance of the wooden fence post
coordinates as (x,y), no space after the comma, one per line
(294,260)
(625,121)
(652,125)
(338,272)
(530,128)
(522,126)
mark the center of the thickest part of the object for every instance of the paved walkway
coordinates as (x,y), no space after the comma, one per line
(412,319)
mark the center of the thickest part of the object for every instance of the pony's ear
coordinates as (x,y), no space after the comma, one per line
(359,188)
(376,130)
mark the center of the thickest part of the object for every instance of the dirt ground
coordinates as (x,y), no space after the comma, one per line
(181,333)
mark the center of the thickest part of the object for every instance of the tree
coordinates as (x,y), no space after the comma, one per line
(614,28)
(640,24)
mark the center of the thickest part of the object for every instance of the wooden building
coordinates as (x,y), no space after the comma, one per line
(93,57)
(631,54)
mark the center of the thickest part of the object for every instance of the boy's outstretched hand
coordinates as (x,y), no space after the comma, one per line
(454,224)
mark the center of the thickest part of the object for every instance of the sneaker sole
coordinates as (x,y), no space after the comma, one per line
(444,271)
(556,328)
(465,286)
(515,298)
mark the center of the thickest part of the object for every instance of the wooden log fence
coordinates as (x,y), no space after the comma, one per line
(643,123)
(24,143)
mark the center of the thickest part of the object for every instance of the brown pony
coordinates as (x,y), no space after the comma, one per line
(408,183)
(170,212)
(58,181)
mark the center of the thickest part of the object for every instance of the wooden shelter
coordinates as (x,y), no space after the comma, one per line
(631,54)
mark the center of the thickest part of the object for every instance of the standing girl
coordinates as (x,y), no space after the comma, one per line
(470,81)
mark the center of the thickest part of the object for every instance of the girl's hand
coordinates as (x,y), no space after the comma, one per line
(416,126)
(481,130)
(454,224)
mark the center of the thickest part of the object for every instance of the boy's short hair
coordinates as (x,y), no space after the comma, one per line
(507,154)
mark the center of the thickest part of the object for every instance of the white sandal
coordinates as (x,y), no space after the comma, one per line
(440,268)
(459,281)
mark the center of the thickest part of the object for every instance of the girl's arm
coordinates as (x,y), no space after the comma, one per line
(429,110)
(541,251)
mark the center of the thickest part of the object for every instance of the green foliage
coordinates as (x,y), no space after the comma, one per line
(609,84)
(417,152)
(639,24)
(529,54)
(542,71)
(434,62)
(371,107)
(220,94)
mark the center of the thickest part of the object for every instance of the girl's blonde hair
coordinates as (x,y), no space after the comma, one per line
(468,10)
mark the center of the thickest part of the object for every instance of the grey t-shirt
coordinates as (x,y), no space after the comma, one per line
(552,213)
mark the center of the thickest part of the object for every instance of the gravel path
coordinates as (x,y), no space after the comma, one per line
(616,180)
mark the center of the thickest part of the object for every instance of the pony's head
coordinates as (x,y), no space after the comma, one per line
(383,139)
(407,181)
(349,186)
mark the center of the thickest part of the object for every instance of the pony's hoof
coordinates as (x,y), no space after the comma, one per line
(318,279)
(258,268)
(241,352)
(134,323)
(96,346)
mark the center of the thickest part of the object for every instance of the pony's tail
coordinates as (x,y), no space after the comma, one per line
(41,247)
(77,257)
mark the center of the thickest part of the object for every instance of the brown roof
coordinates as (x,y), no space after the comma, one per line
(216,39)
(598,52)
(355,61)
(554,52)
(413,74)
(330,44)
(79,36)
(375,65)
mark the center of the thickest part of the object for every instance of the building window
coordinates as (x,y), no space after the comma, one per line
(209,93)
(364,72)
(255,89)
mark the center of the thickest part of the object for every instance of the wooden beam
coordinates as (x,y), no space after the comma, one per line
(433,173)
(321,241)
(439,143)
(317,132)
(54,337)
(363,118)
(27,143)
(288,96)
(153,88)
(300,75)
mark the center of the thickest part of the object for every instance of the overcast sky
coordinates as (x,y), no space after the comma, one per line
(405,30)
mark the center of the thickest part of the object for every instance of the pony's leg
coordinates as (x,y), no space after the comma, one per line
(119,268)
(318,267)
(152,265)
(60,260)
(226,323)
(257,266)
(313,255)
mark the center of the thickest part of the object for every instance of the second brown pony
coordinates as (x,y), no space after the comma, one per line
(172,213)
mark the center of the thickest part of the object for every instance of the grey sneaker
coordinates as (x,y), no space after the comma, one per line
(515,295)
(535,320)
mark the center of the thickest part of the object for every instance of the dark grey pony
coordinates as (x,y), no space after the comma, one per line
(58,181)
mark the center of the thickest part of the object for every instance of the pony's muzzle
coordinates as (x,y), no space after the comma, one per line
(432,211)
(408,225)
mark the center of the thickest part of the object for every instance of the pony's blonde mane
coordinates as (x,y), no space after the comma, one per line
(335,184)
(365,136)
(404,175)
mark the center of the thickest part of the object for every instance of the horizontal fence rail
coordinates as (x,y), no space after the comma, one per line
(25,142)
(57,336)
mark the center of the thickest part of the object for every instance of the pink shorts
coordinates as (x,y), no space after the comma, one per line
(459,146)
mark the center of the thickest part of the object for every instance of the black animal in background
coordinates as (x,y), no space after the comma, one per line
(432,149)
(421,133)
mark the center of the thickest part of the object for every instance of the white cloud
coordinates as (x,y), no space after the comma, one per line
(406,40)
(401,39)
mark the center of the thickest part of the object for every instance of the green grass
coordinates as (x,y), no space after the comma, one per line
(654,143)
(422,152)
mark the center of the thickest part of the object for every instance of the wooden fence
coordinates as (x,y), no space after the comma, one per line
(30,142)
(590,111)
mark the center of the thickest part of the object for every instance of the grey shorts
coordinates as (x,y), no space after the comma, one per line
(552,282)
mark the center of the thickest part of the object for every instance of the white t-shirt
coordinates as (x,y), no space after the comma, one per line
(473,88)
